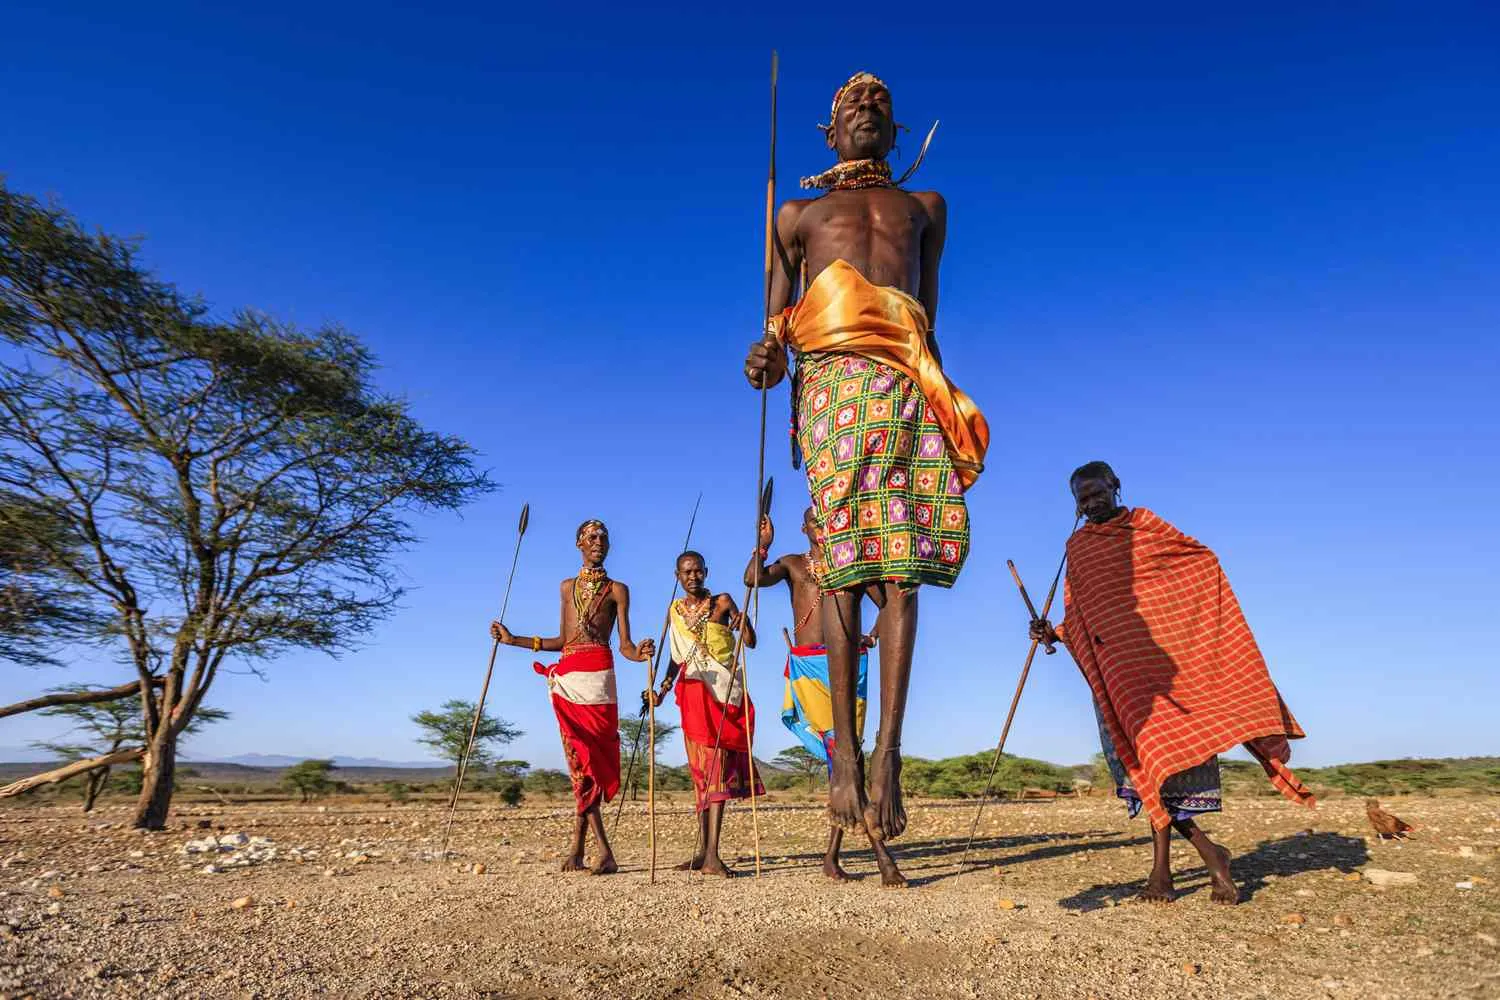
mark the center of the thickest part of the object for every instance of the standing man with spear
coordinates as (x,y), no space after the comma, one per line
(582,685)
(890,443)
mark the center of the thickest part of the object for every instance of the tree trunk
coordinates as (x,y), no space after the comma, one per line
(156,780)
(94,787)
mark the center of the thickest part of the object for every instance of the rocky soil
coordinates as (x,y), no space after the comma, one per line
(350,900)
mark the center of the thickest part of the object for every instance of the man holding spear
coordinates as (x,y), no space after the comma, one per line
(582,685)
(717,716)
(1175,672)
(890,443)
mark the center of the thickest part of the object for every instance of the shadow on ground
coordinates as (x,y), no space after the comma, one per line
(1284,858)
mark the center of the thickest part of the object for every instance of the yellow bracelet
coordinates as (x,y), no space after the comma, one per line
(536,644)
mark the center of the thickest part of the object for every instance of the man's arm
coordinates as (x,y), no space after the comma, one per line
(767,357)
(738,620)
(933,238)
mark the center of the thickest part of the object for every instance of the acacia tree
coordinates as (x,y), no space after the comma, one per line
(105,728)
(804,762)
(633,733)
(310,778)
(238,486)
(446,733)
(39,607)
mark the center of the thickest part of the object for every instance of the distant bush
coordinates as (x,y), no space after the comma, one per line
(398,791)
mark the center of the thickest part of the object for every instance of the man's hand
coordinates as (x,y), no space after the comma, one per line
(867,641)
(645,650)
(737,621)
(1042,631)
(766,360)
(767,534)
(500,633)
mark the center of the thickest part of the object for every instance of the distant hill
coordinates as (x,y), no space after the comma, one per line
(287,760)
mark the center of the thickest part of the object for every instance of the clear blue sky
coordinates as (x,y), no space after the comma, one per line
(1249,259)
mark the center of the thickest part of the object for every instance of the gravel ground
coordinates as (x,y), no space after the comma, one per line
(346,901)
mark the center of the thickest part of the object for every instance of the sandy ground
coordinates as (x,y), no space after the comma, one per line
(89,908)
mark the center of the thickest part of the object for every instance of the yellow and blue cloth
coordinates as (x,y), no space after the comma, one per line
(807,704)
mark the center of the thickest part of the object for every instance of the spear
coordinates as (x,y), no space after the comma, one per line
(651,672)
(463,761)
(1021,684)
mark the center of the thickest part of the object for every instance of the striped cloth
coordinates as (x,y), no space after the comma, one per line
(1174,670)
(807,704)
(582,686)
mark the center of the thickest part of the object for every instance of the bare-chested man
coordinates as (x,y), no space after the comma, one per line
(890,443)
(807,708)
(717,716)
(582,685)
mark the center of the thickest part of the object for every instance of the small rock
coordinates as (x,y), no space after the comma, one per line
(1353,877)
(137,854)
(1342,920)
(1463,885)
(1007,904)
(1191,968)
(243,903)
(56,892)
(1425,953)
(1381,877)
(54,910)
(1295,919)
(480,869)
(1466,851)
(1479,936)
(1304,892)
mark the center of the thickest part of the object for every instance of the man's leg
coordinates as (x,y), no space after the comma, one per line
(831,866)
(712,863)
(604,863)
(846,780)
(1159,882)
(1215,858)
(696,861)
(574,861)
(898,634)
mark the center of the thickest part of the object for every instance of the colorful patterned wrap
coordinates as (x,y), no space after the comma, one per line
(807,704)
(890,443)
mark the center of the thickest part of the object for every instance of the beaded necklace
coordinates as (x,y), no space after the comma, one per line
(852,175)
(817,574)
(591,580)
(696,617)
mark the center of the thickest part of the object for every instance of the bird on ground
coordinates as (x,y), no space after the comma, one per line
(1386,824)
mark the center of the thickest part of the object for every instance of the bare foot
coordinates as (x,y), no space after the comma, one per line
(885,792)
(890,875)
(846,792)
(713,866)
(605,866)
(574,864)
(1225,891)
(1158,887)
(832,870)
(690,865)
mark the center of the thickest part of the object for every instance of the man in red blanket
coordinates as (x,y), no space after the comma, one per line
(1175,673)
(582,685)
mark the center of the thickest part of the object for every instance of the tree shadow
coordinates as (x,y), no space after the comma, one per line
(1284,858)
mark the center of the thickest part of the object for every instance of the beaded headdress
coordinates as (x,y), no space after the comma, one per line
(855,174)
(592,522)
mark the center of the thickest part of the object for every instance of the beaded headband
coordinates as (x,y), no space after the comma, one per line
(592,522)
(838,95)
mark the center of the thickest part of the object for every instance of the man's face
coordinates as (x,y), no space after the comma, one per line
(594,544)
(692,574)
(810,526)
(863,126)
(1095,498)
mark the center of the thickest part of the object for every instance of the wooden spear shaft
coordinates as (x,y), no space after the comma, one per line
(1015,700)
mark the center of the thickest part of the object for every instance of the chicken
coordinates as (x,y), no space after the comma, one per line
(1385,824)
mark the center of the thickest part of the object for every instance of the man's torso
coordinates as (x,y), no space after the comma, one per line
(878,231)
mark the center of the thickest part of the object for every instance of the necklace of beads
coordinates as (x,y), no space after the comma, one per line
(696,616)
(817,574)
(852,175)
(586,587)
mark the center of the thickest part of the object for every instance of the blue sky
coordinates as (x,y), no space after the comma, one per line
(1247,258)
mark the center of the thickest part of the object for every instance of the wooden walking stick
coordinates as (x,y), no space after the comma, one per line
(762,488)
(651,677)
(1020,685)
(463,761)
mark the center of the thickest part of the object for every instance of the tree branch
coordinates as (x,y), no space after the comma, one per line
(77,698)
(75,768)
